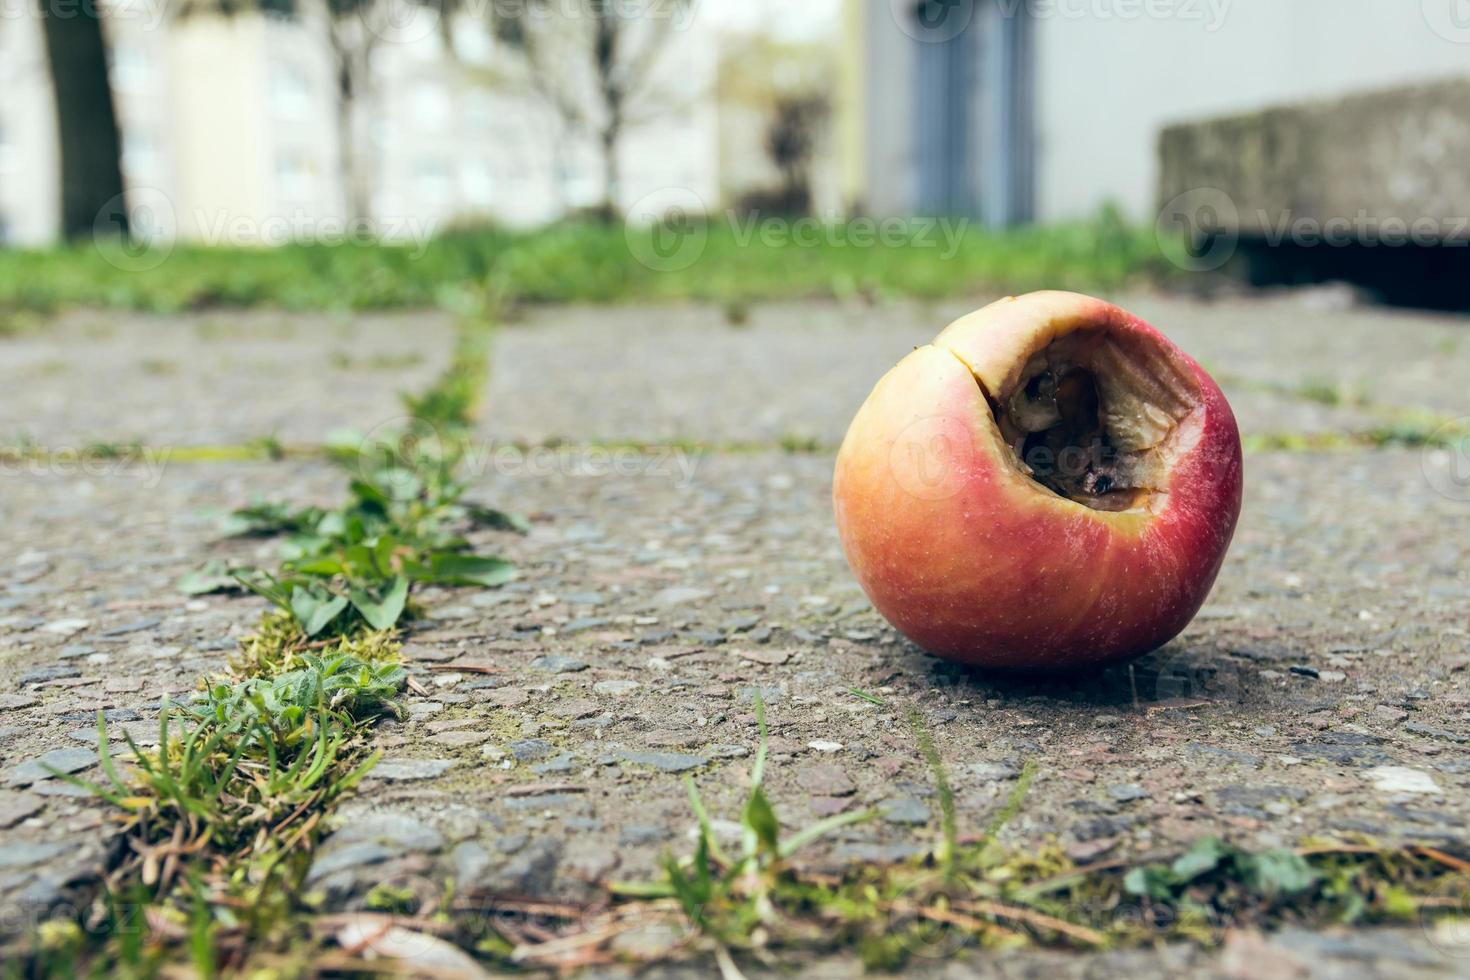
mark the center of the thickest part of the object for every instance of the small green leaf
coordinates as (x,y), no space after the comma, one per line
(215,576)
(324,567)
(314,611)
(263,519)
(1150,881)
(265,585)
(451,568)
(499,520)
(1205,856)
(332,525)
(1277,872)
(688,891)
(382,613)
(760,817)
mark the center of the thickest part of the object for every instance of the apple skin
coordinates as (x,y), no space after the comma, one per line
(969,558)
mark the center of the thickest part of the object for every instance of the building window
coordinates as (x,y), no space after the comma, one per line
(479,110)
(479,186)
(431,106)
(139,155)
(580,189)
(432,182)
(290,92)
(295,175)
(130,68)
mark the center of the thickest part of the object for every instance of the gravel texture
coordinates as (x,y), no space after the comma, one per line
(800,371)
(1324,688)
(213,379)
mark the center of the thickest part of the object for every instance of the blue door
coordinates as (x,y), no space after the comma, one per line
(945,97)
(973,131)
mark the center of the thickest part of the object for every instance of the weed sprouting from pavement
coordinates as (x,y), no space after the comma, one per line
(351,569)
(735,900)
(239,782)
(220,818)
(947,850)
(762,903)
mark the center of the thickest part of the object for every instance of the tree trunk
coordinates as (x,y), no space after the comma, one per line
(86,123)
(354,191)
(605,44)
(612,174)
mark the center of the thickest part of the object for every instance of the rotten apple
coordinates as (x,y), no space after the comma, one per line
(1050,485)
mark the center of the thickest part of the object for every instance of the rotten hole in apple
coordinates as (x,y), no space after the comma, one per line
(1098,418)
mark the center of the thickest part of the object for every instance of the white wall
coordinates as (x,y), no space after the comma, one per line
(30,205)
(1107,85)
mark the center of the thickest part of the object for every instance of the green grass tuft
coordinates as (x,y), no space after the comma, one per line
(220,819)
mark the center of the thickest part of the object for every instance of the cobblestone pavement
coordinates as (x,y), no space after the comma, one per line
(1323,688)
(212,379)
(801,371)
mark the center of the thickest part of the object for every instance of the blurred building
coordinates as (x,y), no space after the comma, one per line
(781,108)
(231,131)
(1046,110)
(29,209)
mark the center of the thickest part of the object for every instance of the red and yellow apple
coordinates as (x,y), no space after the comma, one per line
(1050,485)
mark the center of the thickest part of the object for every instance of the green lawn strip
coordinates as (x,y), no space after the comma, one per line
(589,263)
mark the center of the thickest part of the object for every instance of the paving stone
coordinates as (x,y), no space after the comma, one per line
(557,664)
(411,770)
(991,772)
(562,763)
(679,596)
(1229,755)
(20,854)
(60,760)
(134,626)
(1401,779)
(15,807)
(905,810)
(531,749)
(349,857)
(530,870)
(1430,731)
(576,708)
(44,674)
(399,831)
(1346,748)
(825,780)
(636,835)
(65,627)
(664,761)
(581,625)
